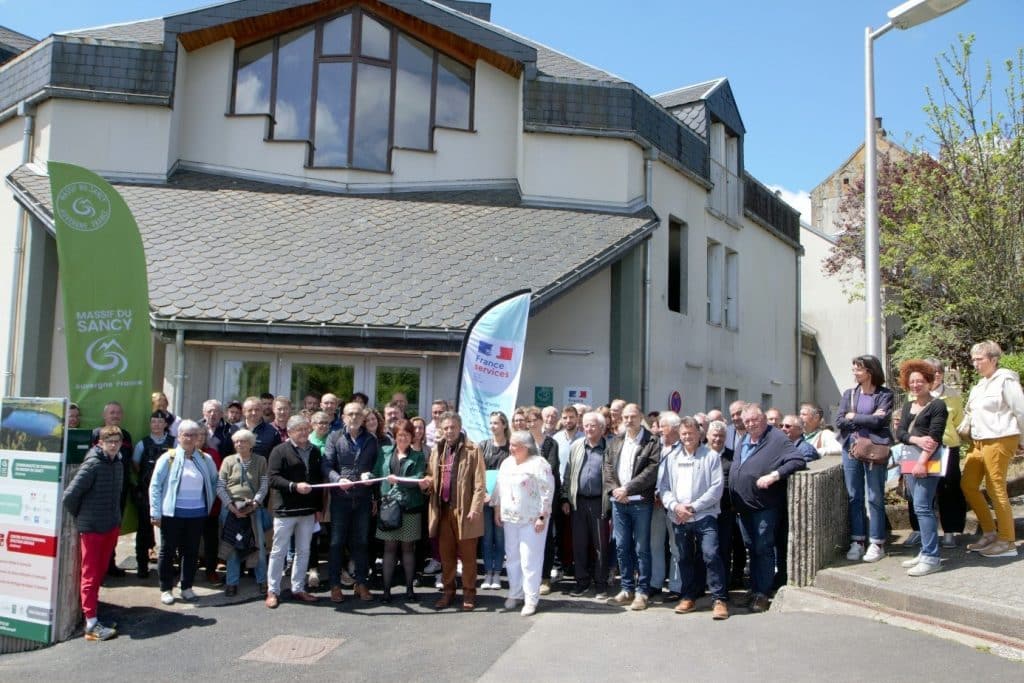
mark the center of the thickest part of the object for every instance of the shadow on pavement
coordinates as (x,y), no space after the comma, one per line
(142,623)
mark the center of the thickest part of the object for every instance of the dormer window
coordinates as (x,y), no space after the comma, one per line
(355,88)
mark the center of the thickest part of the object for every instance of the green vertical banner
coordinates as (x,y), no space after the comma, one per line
(106,297)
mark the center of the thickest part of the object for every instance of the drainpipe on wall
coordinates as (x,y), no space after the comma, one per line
(650,154)
(179,370)
(799,334)
(26,111)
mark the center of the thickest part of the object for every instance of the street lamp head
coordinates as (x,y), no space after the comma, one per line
(914,12)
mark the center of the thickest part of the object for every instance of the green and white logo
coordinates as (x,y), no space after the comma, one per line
(83,206)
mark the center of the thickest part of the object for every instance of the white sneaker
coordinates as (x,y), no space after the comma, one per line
(856,551)
(907,564)
(188,594)
(913,539)
(433,567)
(167,597)
(458,568)
(556,574)
(923,569)
(438,584)
(486,585)
(529,610)
(313,579)
(875,553)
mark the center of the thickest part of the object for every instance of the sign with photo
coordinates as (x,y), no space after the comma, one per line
(31,466)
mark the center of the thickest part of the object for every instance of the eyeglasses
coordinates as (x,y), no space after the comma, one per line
(786,426)
(113,439)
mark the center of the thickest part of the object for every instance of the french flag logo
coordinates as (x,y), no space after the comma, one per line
(487,349)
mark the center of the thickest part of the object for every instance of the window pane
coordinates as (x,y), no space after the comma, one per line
(392,379)
(245,378)
(376,39)
(294,84)
(412,94)
(252,82)
(373,98)
(453,85)
(320,380)
(338,36)
(332,115)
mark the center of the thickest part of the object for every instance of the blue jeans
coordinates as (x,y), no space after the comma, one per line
(923,492)
(661,530)
(631,527)
(758,529)
(493,542)
(703,532)
(856,474)
(350,525)
(234,561)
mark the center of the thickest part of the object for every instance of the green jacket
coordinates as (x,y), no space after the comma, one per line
(414,465)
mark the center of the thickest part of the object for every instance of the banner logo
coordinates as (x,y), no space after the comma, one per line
(106,354)
(83,206)
(487,349)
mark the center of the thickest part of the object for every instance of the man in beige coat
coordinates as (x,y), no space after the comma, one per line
(455,482)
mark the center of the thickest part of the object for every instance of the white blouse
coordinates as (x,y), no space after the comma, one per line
(525,491)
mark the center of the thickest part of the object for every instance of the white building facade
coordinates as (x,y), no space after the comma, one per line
(344,185)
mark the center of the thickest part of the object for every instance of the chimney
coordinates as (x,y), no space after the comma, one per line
(879,131)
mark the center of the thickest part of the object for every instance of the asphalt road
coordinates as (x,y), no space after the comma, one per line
(569,640)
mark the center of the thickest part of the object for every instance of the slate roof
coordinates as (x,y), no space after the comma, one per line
(276,254)
(687,94)
(18,42)
(695,116)
(149,31)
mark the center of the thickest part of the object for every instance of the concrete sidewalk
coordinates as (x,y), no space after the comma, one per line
(976,592)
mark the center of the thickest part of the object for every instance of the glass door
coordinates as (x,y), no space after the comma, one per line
(319,375)
(240,374)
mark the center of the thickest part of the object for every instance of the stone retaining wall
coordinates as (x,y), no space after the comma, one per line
(818,519)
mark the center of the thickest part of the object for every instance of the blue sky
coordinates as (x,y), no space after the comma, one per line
(796,66)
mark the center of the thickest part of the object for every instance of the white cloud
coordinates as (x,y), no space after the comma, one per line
(799,200)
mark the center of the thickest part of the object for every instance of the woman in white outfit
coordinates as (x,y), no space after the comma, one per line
(522,498)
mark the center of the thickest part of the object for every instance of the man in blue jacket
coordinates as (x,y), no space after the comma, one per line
(349,454)
(764,458)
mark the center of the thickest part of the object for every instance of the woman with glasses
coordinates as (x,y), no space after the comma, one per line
(402,460)
(242,488)
(922,423)
(865,411)
(181,495)
(522,496)
(495,450)
(994,415)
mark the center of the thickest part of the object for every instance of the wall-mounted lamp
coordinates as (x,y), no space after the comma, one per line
(571,352)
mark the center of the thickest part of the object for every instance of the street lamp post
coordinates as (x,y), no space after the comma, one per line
(907,15)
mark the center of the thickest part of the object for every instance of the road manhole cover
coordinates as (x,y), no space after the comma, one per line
(293,650)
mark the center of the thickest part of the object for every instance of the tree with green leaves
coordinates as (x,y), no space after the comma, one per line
(952,225)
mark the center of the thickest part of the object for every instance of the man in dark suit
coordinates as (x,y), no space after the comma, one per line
(630,473)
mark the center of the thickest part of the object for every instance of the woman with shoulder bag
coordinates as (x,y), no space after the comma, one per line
(242,487)
(922,424)
(396,461)
(181,495)
(863,424)
(995,413)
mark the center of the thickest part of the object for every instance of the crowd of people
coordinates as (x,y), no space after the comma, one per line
(672,507)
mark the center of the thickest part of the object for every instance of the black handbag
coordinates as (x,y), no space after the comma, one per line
(237,533)
(389,517)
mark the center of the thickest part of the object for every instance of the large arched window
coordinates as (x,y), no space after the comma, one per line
(354,87)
